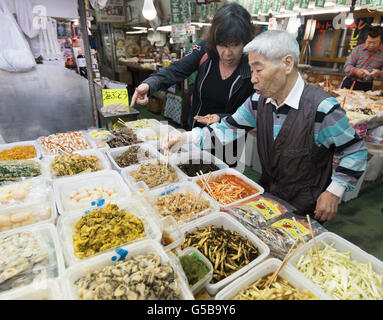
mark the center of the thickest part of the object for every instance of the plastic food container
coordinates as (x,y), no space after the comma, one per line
(133,124)
(41,210)
(45,290)
(63,188)
(43,170)
(89,141)
(98,262)
(22,143)
(267,267)
(171,231)
(103,161)
(113,153)
(65,225)
(221,219)
(341,245)
(47,239)
(239,175)
(19,193)
(206,157)
(125,173)
(182,187)
(207,278)
(148,134)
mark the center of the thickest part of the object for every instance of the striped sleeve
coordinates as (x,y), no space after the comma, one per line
(334,129)
(230,127)
(350,64)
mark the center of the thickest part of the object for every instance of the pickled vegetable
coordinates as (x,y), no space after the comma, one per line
(105,228)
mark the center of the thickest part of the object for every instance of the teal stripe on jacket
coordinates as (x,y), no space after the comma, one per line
(338,134)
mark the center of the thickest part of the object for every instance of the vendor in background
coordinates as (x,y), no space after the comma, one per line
(365,63)
(165,54)
(223,79)
(299,127)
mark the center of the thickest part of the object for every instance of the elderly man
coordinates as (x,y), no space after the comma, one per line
(365,63)
(299,127)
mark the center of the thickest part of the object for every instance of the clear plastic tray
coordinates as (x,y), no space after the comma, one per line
(113,153)
(103,161)
(146,133)
(265,268)
(45,290)
(182,187)
(19,193)
(90,142)
(239,175)
(206,157)
(125,173)
(154,122)
(66,223)
(170,228)
(22,143)
(341,245)
(221,219)
(98,262)
(207,278)
(43,171)
(47,236)
(63,188)
(39,211)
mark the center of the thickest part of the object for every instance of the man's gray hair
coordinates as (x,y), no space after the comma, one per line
(274,45)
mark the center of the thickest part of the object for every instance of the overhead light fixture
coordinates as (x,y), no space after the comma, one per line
(260,22)
(162,28)
(350,18)
(140,28)
(136,32)
(201,24)
(148,10)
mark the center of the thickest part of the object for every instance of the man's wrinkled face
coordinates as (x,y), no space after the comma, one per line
(267,76)
(373,44)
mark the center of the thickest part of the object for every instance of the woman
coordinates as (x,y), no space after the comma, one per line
(223,78)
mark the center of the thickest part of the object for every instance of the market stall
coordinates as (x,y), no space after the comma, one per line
(185,222)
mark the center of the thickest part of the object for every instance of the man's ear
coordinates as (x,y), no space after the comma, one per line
(287,63)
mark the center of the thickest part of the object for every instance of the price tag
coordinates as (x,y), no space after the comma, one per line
(115,96)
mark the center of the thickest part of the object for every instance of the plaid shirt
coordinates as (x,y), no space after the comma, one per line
(360,58)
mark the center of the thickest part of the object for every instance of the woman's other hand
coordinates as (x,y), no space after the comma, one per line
(208,119)
(140,95)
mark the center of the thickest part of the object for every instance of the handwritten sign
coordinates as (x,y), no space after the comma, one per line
(115,96)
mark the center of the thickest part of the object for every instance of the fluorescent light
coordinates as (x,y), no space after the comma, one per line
(201,24)
(140,28)
(260,22)
(162,28)
(315,12)
(136,32)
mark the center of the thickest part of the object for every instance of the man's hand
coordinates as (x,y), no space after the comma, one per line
(374,73)
(140,95)
(359,73)
(208,119)
(327,206)
(172,142)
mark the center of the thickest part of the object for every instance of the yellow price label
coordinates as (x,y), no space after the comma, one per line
(115,96)
(292,229)
(267,209)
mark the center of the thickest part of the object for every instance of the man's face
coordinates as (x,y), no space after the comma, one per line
(230,55)
(372,44)
(267,76)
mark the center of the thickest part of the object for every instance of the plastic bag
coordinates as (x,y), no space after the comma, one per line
(281,235)
(260,211)
(15,53)
(25,17)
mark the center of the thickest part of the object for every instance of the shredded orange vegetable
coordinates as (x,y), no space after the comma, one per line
(227,189)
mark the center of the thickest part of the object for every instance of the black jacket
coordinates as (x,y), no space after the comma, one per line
(182,69)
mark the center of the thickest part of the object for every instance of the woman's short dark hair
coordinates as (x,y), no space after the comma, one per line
(231,25)
(375,32)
